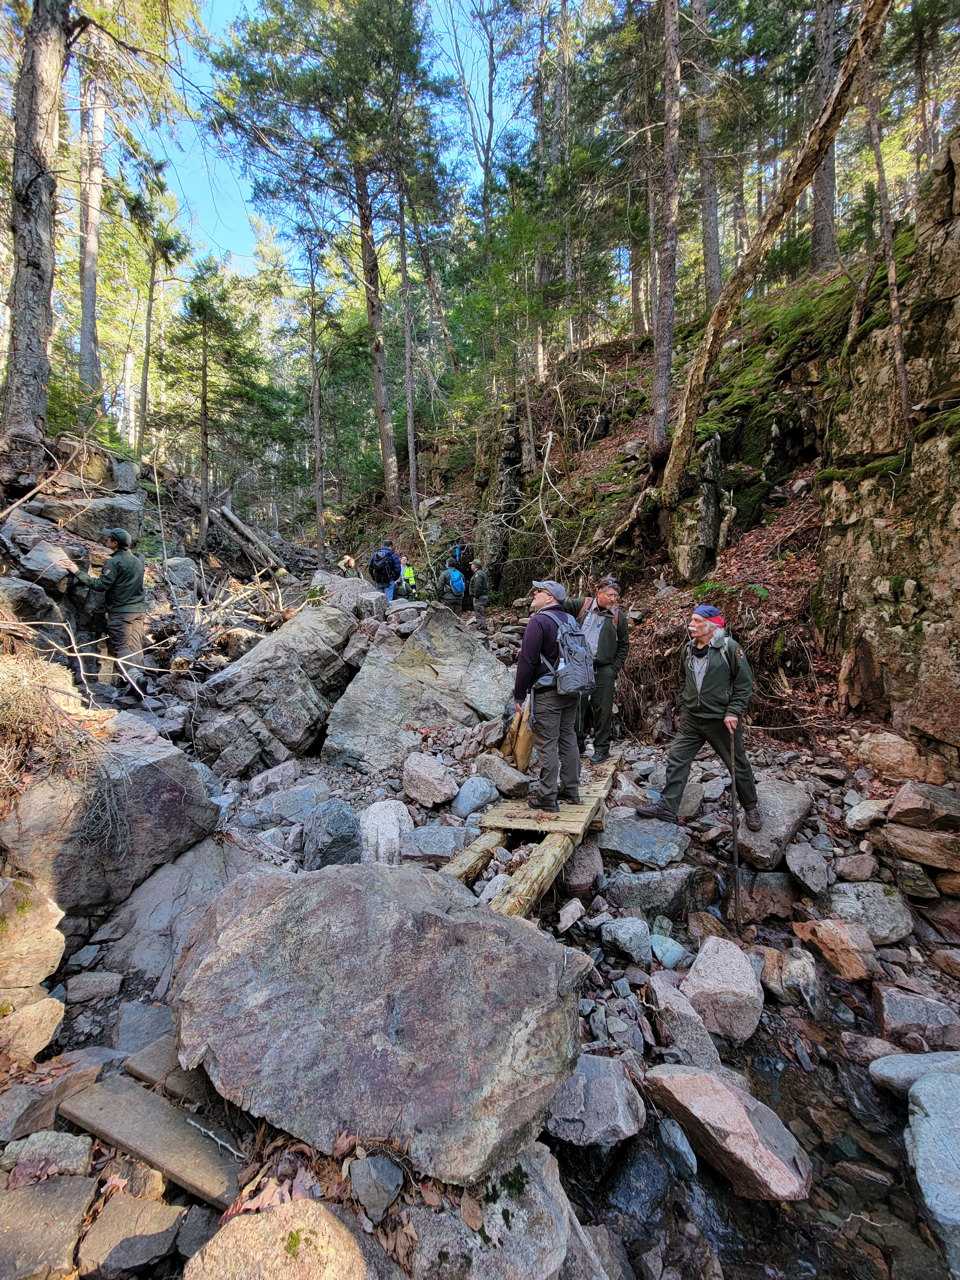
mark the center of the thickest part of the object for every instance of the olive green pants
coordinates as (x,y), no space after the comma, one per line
(693,732)
(596,710)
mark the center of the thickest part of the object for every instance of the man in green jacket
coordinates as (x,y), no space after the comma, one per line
(121,581)
(715,686)
(479,594)
(608,635)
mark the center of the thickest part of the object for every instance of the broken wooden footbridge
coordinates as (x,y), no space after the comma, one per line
(562,832)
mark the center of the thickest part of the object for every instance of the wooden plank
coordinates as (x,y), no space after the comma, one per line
(158,1064)
(533,879)
(470,862)
(148,1127)
(515,815)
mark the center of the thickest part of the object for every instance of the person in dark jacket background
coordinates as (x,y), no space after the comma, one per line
(553,715)
(479,594)
(121,581)
(608,634)
(385,568)
(715,686)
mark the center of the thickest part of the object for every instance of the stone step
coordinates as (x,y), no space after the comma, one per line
(153,1130)
(158,1064)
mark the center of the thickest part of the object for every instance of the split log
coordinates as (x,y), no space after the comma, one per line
(523,747)
(534,878)
(862,48)
(472,861)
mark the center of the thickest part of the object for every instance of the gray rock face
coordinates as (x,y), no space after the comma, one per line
(919,804)
(331,834)
(900,1014)
(783,807)
(93,986)
(724,989)
(440,675)
(473,795)
(674,1144)
(32,944)
(278,695)
(355,596)
(809,867)
(630,936)
(426,780)
(598,1105)
(90,516)
(433,846)
(933,1143)
(88,844)
(681,1025)
(39,1226)
(141,1024)
(899,1072)
(386,962)
(70,1153)
(669,892)
(376,1183)
(148,931)
(879,908)
(509,782)
(651,843)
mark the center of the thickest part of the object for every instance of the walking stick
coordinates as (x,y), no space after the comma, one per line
(736,845)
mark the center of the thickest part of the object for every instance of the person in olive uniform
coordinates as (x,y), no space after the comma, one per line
(479,594)
(715,686)
(121,581)
(608,635)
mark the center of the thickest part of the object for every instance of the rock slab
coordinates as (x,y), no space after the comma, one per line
(724,989)
(899,1072)
(39,1226)
(738,1135)
(598,1105)
(783,807)
(880,909)
(346,997)
(933,1141)
(128,1235)
(300,1241)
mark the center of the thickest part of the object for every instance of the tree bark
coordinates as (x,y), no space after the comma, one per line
(378,355)
(145,367)
(93,129)
(204,444)
(408,356)
(434,291)
(823,240)
(32,221)
(864,45)
(319,458)
(709,200)
(129,421)
(666,300)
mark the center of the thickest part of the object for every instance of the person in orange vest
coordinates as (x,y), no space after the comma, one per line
(608,635)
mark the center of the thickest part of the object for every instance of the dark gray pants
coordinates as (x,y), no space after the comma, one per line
(125,634)
(480,610)
(456,604)
(692,733)
(553,723)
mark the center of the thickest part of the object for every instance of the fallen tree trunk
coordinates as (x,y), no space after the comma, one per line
(862,48)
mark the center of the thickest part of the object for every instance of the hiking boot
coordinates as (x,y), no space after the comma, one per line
(754,821)
(567,797)
(655,811)
(600,756)
(549,806)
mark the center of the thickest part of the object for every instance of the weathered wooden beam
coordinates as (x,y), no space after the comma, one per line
(534,878)
(470,862)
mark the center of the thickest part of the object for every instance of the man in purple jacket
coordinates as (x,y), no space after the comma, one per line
(553,716)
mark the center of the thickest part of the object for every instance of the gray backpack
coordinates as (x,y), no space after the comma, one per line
(574,670)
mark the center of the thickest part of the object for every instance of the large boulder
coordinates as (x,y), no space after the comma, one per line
(380,1000)
(28,1020)
(650,843)
(149,930)
(275,698)
(87,841)
(598,1105)
(32,944)
(331,834)
(442,675)
(355,596)
(724,989)
(670,892)
(426,780)
(918,804)
(783,807)
(680,1024)
(881,910)
(90,516)
(929,848)
(933,1140)
(739,1136)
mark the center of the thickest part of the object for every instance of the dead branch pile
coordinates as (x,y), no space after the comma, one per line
(762,586)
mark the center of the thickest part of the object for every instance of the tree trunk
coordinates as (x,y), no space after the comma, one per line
(823,239)
(899,361)
(709,200)
(666,300)
(319,458)
(434,291)
(378,355)
(145,367)
(204,444)
(93,125)
(129,421)
(639,326)
(32,221)
(864,45)
(408,356)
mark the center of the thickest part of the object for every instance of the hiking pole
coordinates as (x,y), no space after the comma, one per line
(736,845)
